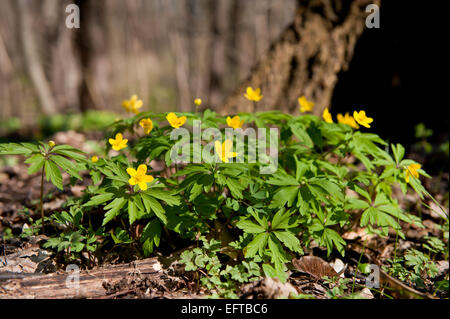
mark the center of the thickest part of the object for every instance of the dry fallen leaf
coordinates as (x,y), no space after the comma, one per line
(314,266)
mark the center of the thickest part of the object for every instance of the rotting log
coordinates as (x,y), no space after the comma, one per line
(91,283)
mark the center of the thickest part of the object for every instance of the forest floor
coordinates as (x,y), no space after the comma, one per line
(27,270)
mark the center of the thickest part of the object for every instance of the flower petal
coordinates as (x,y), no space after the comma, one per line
(132,181)
(143,186)
(227,146)
(131,171)
(148,178)
(142,169)
(218,148)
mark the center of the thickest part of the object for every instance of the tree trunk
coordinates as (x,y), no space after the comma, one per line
(306,59)
(32,59)
(90,42)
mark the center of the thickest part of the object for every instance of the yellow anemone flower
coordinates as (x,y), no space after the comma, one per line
(94,159)
(235,122)
(138,177)
(253,95)
(175,121)
(51,143)
(133,104)
(224,150)
(348,120)
(198,102)
(362,119)
(327,116)
(147,125)
(412,170)
(119,142)
(305,105)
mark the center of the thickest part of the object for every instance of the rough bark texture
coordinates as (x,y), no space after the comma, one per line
(91,283)
(306,59)
(32,59)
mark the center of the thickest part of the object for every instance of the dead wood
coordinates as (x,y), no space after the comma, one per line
(92,283)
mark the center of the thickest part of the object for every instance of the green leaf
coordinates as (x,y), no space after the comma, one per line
(356,203)
(113,209)
(16,149)
(257,245)
(299,131)
(331,188)
(235,188)
(99,199)
(151,204)
(281,178)
(249,227)
(271,272)
(284,195)
(277,252)
(53,174)
(165,196)
(66,165)
(289,240)
(132,212)
(36,161)
(151,236)
(332,237)
(69,151)
(281,220)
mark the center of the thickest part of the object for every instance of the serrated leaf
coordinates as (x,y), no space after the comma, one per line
(113,209)
(271,272)
(99,199)
(249,227)
(66,165)
(152,204)
(284,195)
(289,240)
(37,161)
(53,174)
(151,236)
(165,196)
(257,245)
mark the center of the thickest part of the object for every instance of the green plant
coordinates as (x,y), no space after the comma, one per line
(326,177)
(49,159)
(413,267)
(205,263)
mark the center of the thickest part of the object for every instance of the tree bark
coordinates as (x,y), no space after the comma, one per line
(91,283)
(32,59)
(306,59)
(90,42)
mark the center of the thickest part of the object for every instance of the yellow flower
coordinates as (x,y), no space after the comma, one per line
(327,116)
(119,142)
(235,122)
(147,125)
(175,121)
(133,104)
(223,150)
(362,119)
(51,143)
(138,177)
(411,170)
(253,95)
(94,159)
(305,105)
(198,102)
(348,120)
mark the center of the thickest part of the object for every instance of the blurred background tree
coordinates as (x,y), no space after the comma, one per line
(172,51)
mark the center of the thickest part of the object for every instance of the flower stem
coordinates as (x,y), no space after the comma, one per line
(42,199)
